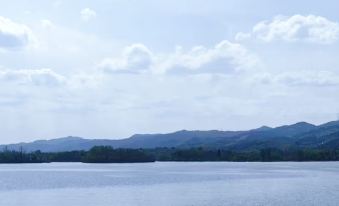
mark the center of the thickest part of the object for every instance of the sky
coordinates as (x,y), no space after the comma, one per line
(113,68)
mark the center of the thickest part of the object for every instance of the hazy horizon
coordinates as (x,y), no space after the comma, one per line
(110,69)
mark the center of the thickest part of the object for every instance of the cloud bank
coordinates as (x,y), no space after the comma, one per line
(38,77)
(310,28)
(225,57)
(300,78)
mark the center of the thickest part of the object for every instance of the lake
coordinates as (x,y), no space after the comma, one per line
(170,183)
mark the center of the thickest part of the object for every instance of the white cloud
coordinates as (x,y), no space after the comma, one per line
(309,28)
(300,78)
(38,77)
(225,57)
(14,35)
(135,58)
(47,24)
(87,14)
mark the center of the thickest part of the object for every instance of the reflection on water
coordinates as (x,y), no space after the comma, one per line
(184,183)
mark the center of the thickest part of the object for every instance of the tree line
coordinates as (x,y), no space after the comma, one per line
(98,154)
(107,154)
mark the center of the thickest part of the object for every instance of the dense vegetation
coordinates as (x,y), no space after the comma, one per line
(98,154)
(262,155)
(106,154)
(7,156)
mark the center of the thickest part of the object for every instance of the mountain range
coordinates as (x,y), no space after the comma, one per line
(299,135)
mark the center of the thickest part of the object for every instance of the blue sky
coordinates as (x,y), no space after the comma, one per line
(109,69)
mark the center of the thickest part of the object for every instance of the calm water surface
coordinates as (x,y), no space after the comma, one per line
(157,184)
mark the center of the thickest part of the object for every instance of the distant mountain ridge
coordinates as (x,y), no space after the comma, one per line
(299,135)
